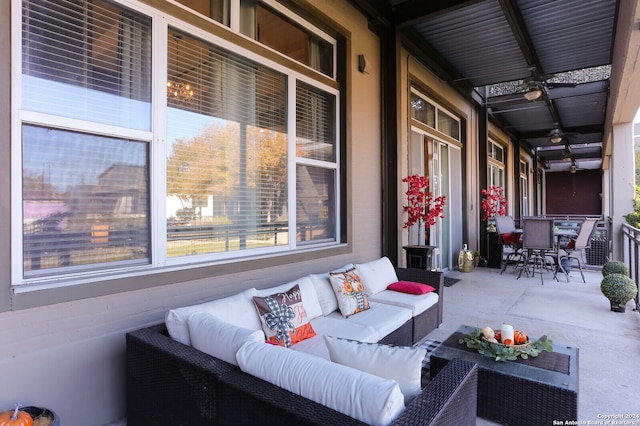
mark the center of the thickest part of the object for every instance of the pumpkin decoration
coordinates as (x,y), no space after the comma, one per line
(15,418)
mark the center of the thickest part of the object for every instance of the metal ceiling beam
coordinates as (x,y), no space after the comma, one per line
(514,18)
(409,12)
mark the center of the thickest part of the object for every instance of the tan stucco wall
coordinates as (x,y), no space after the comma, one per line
(412,70)
(69,356)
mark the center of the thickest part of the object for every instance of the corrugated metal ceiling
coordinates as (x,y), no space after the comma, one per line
(495,41)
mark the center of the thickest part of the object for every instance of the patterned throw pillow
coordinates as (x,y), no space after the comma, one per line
(284,319)
(349,291)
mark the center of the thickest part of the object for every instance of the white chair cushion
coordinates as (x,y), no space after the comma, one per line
(218,338)
(400,363)
(377,275)
(382,317)
(324,290)
(363,396)
(238,310)
(418,303)
(308,291)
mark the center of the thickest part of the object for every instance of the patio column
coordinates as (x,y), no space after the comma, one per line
(622,182)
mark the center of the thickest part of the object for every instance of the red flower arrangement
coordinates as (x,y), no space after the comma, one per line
(421,204)
(494,204)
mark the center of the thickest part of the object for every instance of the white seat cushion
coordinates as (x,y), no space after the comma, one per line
(218,338)
(376,275)
(418,303)
(339,327)
(384,318)
(238,310)
(363,396)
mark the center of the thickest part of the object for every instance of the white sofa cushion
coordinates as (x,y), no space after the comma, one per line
(418,303)
(382,317)
(338,327)
(324,290)
(377,275)
(308,291)
(363,396)
(238,310)
(217,337)
(400,363)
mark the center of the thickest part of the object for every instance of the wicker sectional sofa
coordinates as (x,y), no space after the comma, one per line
(171,382)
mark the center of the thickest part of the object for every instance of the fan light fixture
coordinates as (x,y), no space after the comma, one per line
(556,139)
(532,94)
(573,167)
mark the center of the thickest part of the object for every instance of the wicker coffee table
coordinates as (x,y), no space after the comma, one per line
(534,392)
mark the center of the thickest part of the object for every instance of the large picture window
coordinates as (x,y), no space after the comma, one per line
(198,155)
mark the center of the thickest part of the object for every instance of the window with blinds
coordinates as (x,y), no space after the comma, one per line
(227,186)
(85,196)
(235,152)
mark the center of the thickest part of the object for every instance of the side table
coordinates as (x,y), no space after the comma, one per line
(533,392)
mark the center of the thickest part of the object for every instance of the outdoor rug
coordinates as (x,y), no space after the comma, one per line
(448,282)
(430,345)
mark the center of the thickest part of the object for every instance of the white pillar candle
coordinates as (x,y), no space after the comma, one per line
(507,333)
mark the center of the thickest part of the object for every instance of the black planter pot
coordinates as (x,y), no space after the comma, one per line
(618,307)
(38,412)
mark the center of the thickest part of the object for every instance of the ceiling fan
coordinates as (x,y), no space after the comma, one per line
(536,84)
(556,135)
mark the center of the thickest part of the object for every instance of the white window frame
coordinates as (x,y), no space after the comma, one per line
(495,165)
(157,155)
(439,109)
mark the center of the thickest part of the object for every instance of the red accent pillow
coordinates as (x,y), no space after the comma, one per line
(506,238)
(411,287)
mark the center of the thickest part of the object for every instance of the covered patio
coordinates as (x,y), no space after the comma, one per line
(573,313)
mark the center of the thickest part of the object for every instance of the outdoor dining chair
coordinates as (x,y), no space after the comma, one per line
(510,238)
(538,246)
(580,242)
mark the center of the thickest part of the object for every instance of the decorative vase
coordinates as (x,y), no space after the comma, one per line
(465,260)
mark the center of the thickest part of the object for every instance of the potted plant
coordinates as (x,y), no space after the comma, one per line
(615,267)
(494,204)
(619,289)
(421,206)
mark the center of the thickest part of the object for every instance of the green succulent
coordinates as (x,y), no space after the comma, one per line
(618,288)
(615,267)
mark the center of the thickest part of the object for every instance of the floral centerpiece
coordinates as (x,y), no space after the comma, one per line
(494,204)
(421,205)
(492,344)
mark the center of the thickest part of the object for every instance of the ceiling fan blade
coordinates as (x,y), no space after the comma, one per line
(556,85)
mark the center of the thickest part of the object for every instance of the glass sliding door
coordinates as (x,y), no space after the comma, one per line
(442,164)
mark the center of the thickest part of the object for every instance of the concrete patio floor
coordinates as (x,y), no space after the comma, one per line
(573,313)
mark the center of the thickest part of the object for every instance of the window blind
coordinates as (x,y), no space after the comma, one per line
(227,159)
(88,60)
(85,196)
